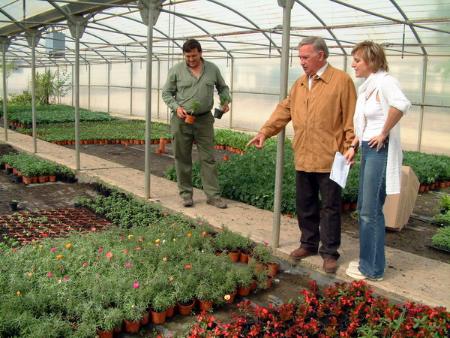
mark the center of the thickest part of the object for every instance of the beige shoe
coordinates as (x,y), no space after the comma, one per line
(217,202)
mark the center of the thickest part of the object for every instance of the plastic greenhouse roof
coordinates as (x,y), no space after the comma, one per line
(226,28)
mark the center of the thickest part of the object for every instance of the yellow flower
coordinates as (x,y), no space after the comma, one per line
(59,257)
(157,241)
(68,245)
(227,297)
(130,236)
(164,259)
(18,293)
(29,274)
(189,234)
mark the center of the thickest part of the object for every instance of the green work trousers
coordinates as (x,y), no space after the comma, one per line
(202,132)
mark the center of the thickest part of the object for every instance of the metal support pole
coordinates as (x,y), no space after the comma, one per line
(422,101)
(77,25)
(89,86)
(148,101)
(149,10)
(5,44)
(231,92)
(72,86)
(287,7)
(159,88)
(33,91)
(131,88)
(77,96)
(33,39)
(109,86)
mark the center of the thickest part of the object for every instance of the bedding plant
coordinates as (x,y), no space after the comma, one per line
(89,282)
(339,310)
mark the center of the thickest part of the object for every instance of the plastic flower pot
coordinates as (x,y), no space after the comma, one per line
(234,256)
(104,334)
(132,326)
(218,113)
(158,318)
(13,205)
(189,119)
(185,309)
(205,305)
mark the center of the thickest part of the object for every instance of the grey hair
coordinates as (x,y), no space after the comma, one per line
(317,42)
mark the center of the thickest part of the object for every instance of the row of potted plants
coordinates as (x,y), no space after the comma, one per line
(107,130)
(32,169)
(441,240)
(339,310)
(19,116)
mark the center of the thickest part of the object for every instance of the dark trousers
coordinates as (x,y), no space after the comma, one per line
(319,219)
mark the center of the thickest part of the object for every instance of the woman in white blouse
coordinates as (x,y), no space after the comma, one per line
(380,106)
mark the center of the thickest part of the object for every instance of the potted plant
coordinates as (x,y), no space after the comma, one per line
(244,279)
(107,321)
(224,99)
(190,118)
(230,243)
(160,303)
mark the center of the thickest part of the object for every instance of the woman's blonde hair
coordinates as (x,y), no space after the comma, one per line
(373,54)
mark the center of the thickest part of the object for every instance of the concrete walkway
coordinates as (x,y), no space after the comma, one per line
(408,276)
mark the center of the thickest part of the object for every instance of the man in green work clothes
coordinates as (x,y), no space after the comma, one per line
(189,90)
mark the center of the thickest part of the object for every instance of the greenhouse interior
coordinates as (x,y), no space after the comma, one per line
(94,240)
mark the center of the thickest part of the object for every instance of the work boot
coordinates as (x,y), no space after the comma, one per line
(187,201)
(329,264)
(217,202)
(301,253)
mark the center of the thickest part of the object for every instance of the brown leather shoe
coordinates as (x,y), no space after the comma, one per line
(301,253)
(330,265)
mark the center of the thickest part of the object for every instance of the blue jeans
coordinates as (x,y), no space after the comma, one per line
(371,197)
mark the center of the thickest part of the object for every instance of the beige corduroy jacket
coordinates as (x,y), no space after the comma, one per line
(322,119)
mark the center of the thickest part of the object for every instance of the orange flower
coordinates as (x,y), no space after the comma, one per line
(109,255)
(68,245)
(189,234)
(187,266)
(227,297)
(59,257)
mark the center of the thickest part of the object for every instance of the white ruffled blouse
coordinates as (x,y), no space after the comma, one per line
(391,95)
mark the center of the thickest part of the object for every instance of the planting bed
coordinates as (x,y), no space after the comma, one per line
(415,237)
(25,226)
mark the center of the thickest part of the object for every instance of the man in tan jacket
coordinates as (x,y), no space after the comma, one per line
(320,105)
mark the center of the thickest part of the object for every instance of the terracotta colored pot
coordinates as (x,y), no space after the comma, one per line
(190,119)
(170,312)
(104,334)
(234,256)
(158,318)
(26,180)
(145,318)
(272,269)
(185,309)
(132,326)
(243,258)
(52,178)
(34,179)
(232,297)
(244,291)
(206,305)
(43,179)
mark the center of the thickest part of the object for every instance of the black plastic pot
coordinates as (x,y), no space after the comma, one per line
(14,205)
(218,113)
